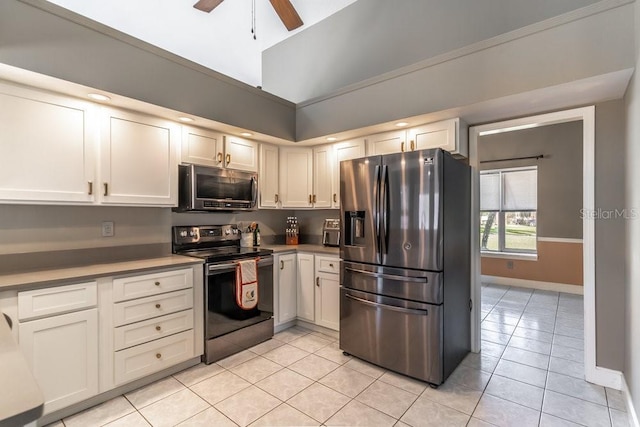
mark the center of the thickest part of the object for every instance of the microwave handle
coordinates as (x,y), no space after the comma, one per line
(254,191)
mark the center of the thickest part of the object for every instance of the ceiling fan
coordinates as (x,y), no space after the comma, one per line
(283,8)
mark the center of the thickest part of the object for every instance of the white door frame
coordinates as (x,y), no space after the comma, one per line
(593,373)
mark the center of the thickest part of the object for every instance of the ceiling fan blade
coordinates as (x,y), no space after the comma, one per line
(207,5)
(287,14)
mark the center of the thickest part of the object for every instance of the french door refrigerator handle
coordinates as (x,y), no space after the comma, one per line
(389,276)
(384,240)
(389,307)
(376,215)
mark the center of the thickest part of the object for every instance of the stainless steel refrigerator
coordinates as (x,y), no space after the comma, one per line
(405,295)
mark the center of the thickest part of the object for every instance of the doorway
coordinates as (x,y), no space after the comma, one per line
(586,116)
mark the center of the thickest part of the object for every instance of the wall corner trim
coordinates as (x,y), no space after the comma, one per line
(631,411)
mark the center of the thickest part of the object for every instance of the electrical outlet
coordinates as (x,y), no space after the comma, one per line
(510,265)
(108,229)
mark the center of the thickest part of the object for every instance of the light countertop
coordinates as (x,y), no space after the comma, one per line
(326,250)
(87,272)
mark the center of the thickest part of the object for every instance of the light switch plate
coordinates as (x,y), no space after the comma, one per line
(108,229)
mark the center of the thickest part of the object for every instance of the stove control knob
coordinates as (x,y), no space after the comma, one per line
(192,233)
(234,230)
(183,233)
(227,231)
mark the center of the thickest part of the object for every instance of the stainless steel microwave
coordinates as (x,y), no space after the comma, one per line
(203,188)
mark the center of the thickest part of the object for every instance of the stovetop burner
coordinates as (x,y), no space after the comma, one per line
(213,243)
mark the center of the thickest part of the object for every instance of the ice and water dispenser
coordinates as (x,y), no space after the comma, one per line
(354,225)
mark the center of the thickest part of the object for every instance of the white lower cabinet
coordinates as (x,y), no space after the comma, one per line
(307,287)
(285,280)
(327,293)
(306,291)
(61,349)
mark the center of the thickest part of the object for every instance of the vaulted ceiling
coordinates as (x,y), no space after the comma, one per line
(221,40)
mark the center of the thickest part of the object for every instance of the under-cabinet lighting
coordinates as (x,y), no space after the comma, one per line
(332,138)
(401,124)
(246,134)
(509,129)
(186,119)
(99,97)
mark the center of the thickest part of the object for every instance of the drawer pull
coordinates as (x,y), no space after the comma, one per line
(157,283)
(331,265)
(158,355)
(158,306)
(158,328)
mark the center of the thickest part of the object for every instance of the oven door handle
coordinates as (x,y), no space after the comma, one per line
(389,307)
(231,266)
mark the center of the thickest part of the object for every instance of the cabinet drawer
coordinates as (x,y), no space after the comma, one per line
(145,359)
(152,329)
(128,288)
(328,264)
(59,299)
(150,307)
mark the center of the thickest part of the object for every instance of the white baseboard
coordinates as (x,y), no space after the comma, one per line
(604,377)
(631,411)
(534,284)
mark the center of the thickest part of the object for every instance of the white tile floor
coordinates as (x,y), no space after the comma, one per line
(529,373)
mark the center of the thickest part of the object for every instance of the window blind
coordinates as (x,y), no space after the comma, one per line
(509,190)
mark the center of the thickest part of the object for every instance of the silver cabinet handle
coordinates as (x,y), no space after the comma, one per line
(106,188)
(281,265)
(389,307)
(90,188)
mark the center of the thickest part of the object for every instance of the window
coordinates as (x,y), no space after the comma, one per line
(508,207)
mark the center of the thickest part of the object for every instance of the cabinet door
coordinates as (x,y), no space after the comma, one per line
(445,134)
(328,300)
(202,147)
(387,142)
(346,150)
(240,154)
(306,291)
(285,266)
(139,160)
(322,176)
(47,149)
(268,176)
(296,178)
(62,352)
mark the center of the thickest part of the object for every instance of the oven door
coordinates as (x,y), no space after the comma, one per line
(222,315)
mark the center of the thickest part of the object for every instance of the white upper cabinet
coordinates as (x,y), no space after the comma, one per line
(202,147)
(346,150)
(240,154)
(386,142)
(139,160)
(322,176)
(268,176)
(450,135)
(296,177)
(47,149)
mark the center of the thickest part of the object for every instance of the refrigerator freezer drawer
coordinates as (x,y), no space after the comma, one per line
(402,336)
(415,285)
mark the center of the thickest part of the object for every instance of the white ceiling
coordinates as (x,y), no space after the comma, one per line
(220,40)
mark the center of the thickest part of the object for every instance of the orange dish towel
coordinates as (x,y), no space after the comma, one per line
(247,284)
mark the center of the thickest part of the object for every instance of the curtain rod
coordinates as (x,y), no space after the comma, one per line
(540,156)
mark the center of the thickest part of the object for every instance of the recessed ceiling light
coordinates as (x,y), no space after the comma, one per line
(332,138)
(246,134)
(99,97)
(185,119)
(401,124)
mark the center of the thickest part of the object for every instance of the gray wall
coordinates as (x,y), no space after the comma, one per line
(39,41)
(559,172)
(584,48)
(610,235)
(632,290)
(317,60)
